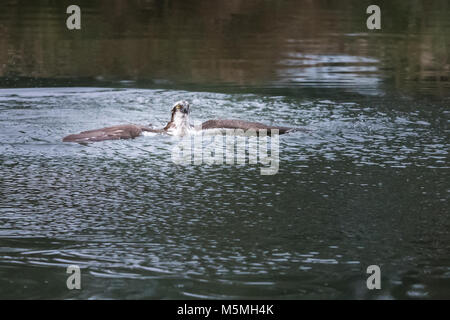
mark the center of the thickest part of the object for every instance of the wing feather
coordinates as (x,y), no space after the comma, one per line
(126,131)
(245,125)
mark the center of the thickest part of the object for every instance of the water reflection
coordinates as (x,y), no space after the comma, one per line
(256,43)
(368,184)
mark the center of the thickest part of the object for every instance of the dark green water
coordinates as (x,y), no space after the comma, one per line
(368,185)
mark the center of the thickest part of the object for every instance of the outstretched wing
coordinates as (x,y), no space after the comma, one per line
(245,125)
(126,131)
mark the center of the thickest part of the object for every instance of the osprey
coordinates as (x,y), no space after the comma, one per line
(177,126)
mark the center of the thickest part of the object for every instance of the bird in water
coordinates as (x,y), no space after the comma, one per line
(177,126)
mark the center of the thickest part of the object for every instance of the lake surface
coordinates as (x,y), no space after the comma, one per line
(368,184)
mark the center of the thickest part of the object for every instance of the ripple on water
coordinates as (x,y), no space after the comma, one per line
(123,211)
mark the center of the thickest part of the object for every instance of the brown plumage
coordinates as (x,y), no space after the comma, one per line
(244,125)
(125,131)
(178,126)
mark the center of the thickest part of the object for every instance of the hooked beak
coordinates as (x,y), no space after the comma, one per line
(181,107)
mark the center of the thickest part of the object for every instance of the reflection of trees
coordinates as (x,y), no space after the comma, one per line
(237,41)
